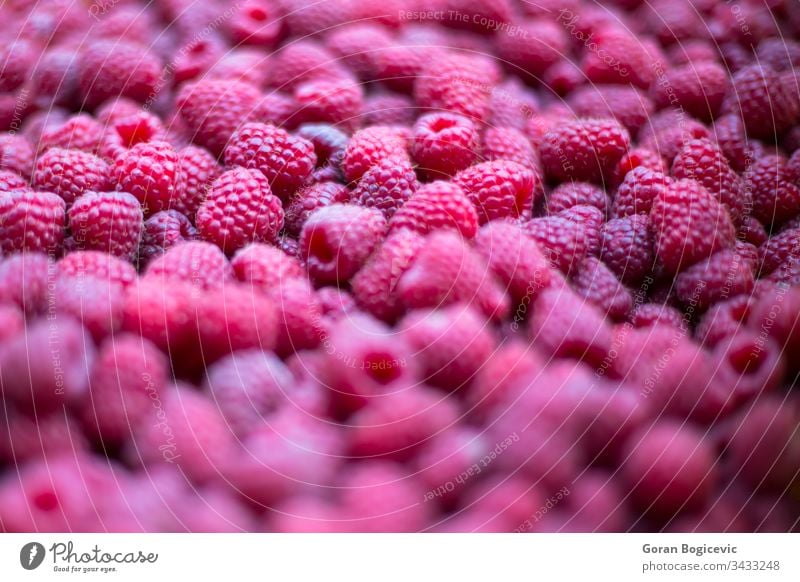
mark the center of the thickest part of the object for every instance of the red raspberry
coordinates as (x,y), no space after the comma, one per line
(780,54)
(730,136)
(534,46)
(265,267)
(571,194)
(245,64)
(447,270)
(31,221)
(25,439)
(369,146)
(398,66)
(627,248)
(256,22)
(239,209)
(627,104)
(766,106)
(97,303)
(443,144)
(79,132)
(285,160)
(149,172)
(161,310)
(329,142)
(125,131)
(24,281)
(619,58)
(337,240)
(635,158)
(303,61)
(591,220)
(780,249)
(200,264)
(638,190)
(498,189)
(749,365)
(195,58)
(13,321)
(19,57)
(109,69)
(98,265)
(107,221)
(515,259)
(163,230)
(697,88)
(723,320)
(10,181)
(300,325)
(450,344)
(688,225)
(435,206)
(70,173)
(311,198)
(357,46)
(701,160)
(668,141)
(599,285)
(196,170)
(16,154)
(457,83)
(386,186)
(55,76)
(474,15)
(725,274)
(563,77)
(563,241)
(388,109)
(213,110)
(335,303)
(375,284)
(650,314)
(752,231)
(585,150)
(506,143)
(336,102)
(775,198)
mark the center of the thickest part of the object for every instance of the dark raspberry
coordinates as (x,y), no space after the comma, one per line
(563,241)
(636,158)
(533,47)
(386,186)
(766,106)
(730,136)
(627,105)
(498,189)
(599,285)
(443,144)
(649,314)
(698,88)
(627,247)
(70,173)
(336,102)
(196,170)
(149,172)
(668,141)
(563,77)
(97,265)
(369,146)
(161,231)
(780,54)
(196,263)
(107,221)
(311,198)
(780,249)
(571,194)
(776,199)
(112,68)
(16,154)
(723,275)
(638,190)
(31,221)
(505,143)
(435,206)
(265,267)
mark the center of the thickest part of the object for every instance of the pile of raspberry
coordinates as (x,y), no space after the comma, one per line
(400,266)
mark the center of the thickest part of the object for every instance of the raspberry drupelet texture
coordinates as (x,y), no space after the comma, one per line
(369,146)
(437,205)
(309,199)
(31,221)
(149,172)
(443,144)
(70,173)
(163,230)
(386,186)
(500,189)
(107,221)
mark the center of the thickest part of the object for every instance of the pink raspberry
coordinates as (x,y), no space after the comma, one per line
(781,249)
(563,241)
(369,146)
(256,22)
(498,189)
(776,198)
(357,45)
(571,194)
(25,439)
(730,135)
(638,157)
(19,58)
(506,143)
(285,160)
(650,314)
(698,88)
(161,311)
(265,267)
(300,321)
(436,206)
(98,265)
(777,311)
(25,279)
(107,221)
(399,65)
(112,68)
(309,199)
(336,102)
(201,264)
(31,221)
(386,186)
(70,173)
(329,142)
(638,190)
(149,172)
(161,231)
(619,58)
(16,154)
(443,144)
(337,240)
(456,83)
(303,61)
(628,105)
(239,209)
(599,285)
(669,141)
(749,365)
(388,109)
(627,247)
(724,274)
(534,47)
(766,106)
(10,181)
(688,225)
(79,132)
(96,303)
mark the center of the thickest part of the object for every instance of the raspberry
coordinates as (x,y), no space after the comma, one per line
(475,14)
(619,58)
(637,192)
(701,160)
(213,110)
(10,181)
(18,57)
(24,439)
(781,249)
(635,158)
(571,194)
(775,198)
(388,109)
(16,154)
(498,189)
(669,469)
(505,143)
(163,230)
(732,140)
(300,325)
(688,225)
(650,314)
(698,88)
(109,69)
(356,45)
(79,132)
(311,198)
(124,132)
(456,83)
(627,105)
(399,65)
(335,303)
(584,150)
(265,267)
(627,248)
(96,303)
(725,274)
(534,47)
(285,160)
(669,141)
(563,77)
(386,186)
(450,344)
(600,286)
(98,265)
(256,22)
(195,58)
(766,106)
(435,206)
(24,281)
(329,142)
(749,365)
(200,264)
(197,169)
(70,173)
(375,284)
(336,102)
(337,240)
(243,64)
(446,270)
(149,172)
(239,209)
(780,306)
(31,221)
(107,221)
(779,54)
(443,144)
(515,259)
(563,241)
(369,146)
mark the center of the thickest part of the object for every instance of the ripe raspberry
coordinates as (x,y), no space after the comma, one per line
(563,241)
(450,344)
(498,189)
(730,135)
(386,186)
(563,77)
(457,83)
(388,109)
(309,199)
(107,221)
(702,161)
(599,285)
(398,66)
(688,225)
(198,263)
(780,249)
(96,303)
(256,22)
(475,14)
(443,144)
(650,314)
(10,181)
(766,106)
(109,69)
(725,274)
(369,146)
(505,143)
(286,161)
(534,47)
(446,271)
(335,303)
(337,240)
(336,102)
(303,61)
(70,173)
(31,221)
(775,198)
(16,154)
(329,142)
(239,209)
(195,58)
(213,110)
(375,284)
(19,57)
(197,169)
(627,248)
(585,150)
(357,46)
(300,325)
(668,141)
(435,206)
(161,231)
(97,265)
(571,194)
(619,58)
(25,439)
(265,267)
(124,132)
(24,281)
(635,158)
(79,132)
(626,104)
(637,192)
(149,172)
(698,88)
